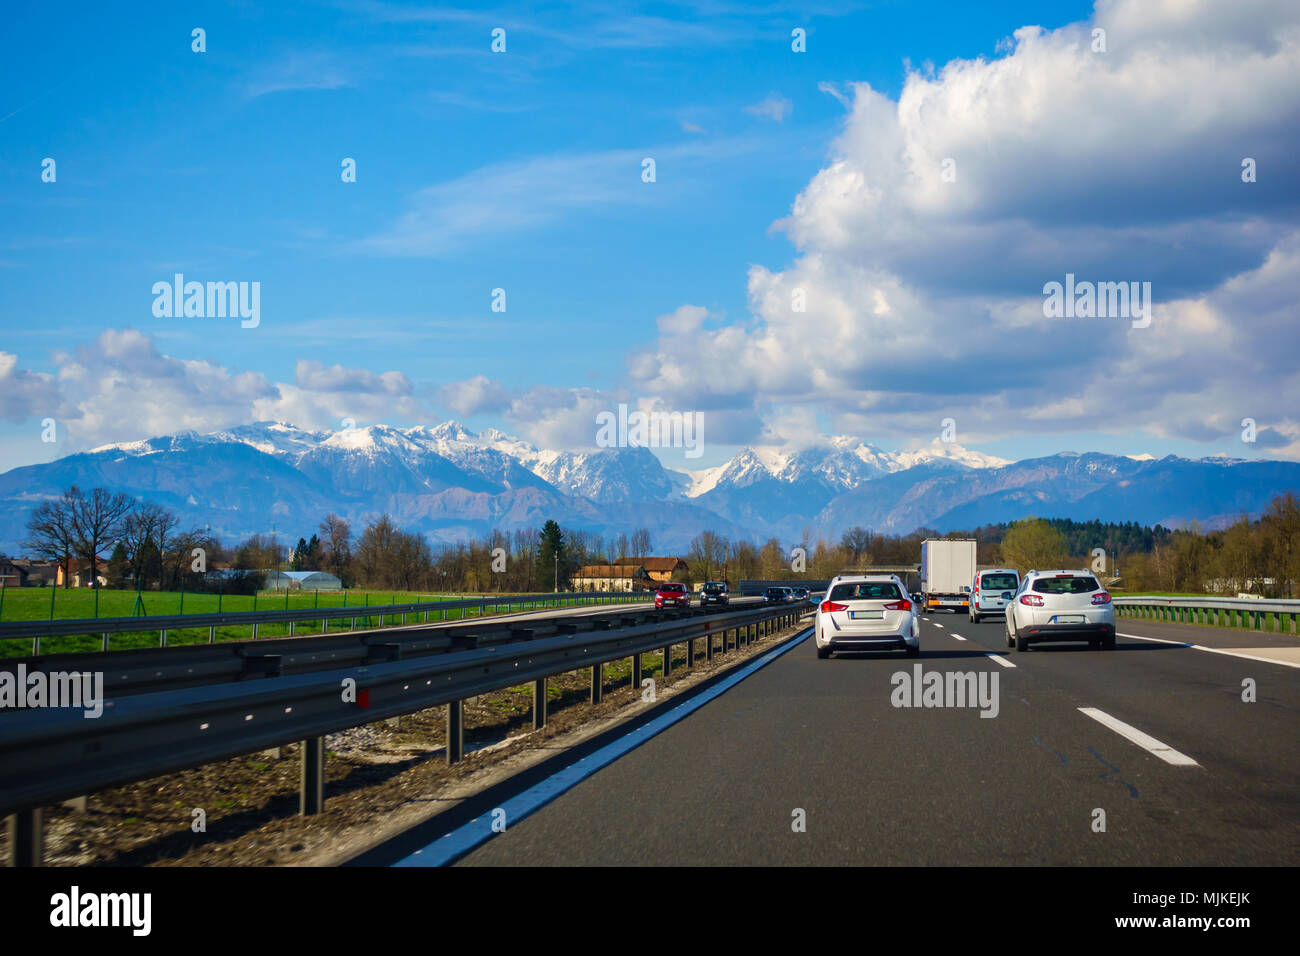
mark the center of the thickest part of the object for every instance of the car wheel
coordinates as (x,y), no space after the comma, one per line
(1022,643)
(823,653)
(914,651)
(974,618)
(1108,643)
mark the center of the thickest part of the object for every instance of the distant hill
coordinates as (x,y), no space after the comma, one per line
(450,483)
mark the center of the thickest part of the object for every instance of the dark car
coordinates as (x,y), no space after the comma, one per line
(776,595)
(672,594)
(714,592)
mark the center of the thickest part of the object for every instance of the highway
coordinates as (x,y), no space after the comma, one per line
(885,785)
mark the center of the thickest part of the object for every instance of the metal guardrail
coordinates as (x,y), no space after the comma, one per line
(53,754)
(169,668)
(1246,613)
(106,626)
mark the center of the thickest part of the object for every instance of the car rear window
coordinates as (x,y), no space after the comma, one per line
(1067,584)
(999,582)
(865,591)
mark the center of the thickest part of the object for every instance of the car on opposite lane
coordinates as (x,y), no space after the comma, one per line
(714,592)
(1061,606)
(775,595)
(867,612)
(672,594)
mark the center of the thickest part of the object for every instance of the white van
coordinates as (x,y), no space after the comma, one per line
(991,591)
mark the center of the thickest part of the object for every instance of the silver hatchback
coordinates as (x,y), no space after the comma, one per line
(1061,606)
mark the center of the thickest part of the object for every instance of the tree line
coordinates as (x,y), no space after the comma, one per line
(149,549)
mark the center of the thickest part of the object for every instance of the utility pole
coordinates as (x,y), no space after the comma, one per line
(557,571)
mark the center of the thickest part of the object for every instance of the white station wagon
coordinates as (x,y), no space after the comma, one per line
(867,613)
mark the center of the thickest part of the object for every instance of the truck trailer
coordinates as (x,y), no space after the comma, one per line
(947,569)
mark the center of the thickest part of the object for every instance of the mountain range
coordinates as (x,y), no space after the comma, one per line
(452,483)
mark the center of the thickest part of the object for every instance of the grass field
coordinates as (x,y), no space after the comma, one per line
(44,604)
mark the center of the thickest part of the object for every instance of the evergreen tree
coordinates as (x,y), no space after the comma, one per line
(551,557)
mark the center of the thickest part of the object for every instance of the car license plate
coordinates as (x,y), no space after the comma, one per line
(867,615)
(1068,619)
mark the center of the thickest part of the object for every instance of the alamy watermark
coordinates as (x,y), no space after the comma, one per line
(946,689)
(20,689)
(178,298)
(1087,300)
(640,429)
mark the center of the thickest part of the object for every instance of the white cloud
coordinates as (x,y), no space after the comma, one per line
(775,108)
(121,388)
(923,297)
(511,197)
(474,395)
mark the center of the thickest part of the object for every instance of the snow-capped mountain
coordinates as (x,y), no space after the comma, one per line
(451,482)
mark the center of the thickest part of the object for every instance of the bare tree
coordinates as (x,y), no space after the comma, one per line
(857,541)
(708,551)
(336,547)
(97,522)
(52,533)
(640,543)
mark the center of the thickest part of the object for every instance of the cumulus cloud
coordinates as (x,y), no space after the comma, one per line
(27,394)
(120,387)
(917,295)
(474,395)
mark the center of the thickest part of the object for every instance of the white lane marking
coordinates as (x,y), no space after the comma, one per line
(958,636)
(1148,743)
(464,838)
(1001,660)
(937,624)
(1212,650)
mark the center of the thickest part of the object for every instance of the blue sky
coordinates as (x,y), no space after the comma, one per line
(522,170)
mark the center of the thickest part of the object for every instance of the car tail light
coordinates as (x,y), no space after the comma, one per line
(1031,600)
(899,606)
(1101,598)
(829,606)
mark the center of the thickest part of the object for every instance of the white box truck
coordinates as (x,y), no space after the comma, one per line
(947,569)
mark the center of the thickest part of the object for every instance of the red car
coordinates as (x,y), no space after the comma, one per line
(672,594)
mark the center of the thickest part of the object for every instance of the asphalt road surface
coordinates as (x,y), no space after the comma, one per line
(878,784)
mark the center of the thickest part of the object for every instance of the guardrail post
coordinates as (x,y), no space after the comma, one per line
(690,653)
(708,643)
(455,731)
(162,636)
(636,671)
(668,660)
(291,624)
(311,796)
(26,838)
(597,682)
(212,636)
(106,640)
(539,703)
